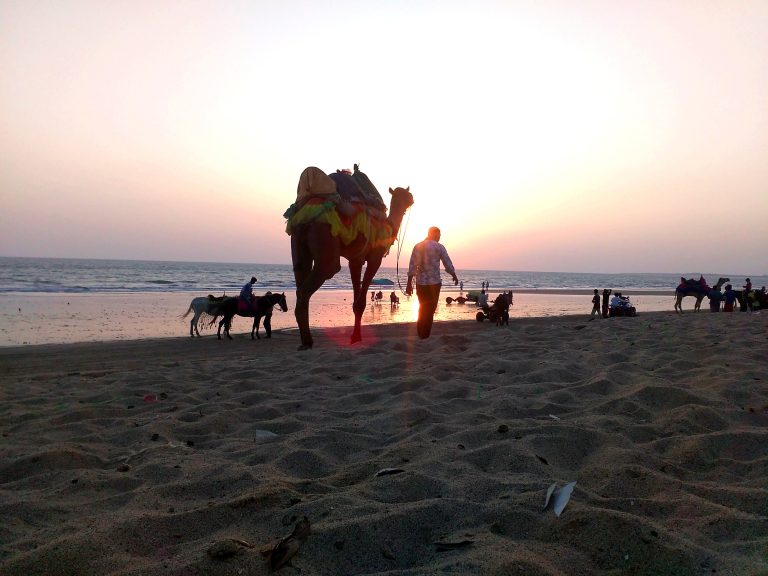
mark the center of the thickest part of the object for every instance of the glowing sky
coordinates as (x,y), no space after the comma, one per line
(545,135)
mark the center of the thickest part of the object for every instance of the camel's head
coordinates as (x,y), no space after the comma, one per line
(402,199)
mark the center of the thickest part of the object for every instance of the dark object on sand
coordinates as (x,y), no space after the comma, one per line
(289,546)
(446,546)
(460,300)
(622,311)
(497,313)
(227,548)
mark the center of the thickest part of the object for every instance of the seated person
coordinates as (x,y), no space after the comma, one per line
(619,301)
(393,299)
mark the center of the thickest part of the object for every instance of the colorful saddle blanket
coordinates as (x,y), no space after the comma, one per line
(256,307)
(691,286)
(364,211)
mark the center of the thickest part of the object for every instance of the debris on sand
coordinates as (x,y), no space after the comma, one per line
(226,548)
(288,547)
(558,497)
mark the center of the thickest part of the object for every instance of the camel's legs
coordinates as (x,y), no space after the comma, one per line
(315,255)
(360,303)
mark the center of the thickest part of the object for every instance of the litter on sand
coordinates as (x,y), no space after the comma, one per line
(558,497)
(388,471)
(288,547)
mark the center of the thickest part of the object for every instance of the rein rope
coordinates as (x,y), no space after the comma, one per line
(400,239)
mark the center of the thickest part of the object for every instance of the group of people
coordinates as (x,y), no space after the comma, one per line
(728,298)
(603,307)
(377,297)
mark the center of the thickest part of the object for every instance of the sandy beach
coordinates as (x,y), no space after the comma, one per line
(406,456)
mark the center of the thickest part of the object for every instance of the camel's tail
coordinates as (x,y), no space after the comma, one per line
(189,310)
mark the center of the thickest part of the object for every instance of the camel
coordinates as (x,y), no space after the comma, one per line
(316,254)
(697,292)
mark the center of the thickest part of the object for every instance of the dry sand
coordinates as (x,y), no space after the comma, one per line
(134,457)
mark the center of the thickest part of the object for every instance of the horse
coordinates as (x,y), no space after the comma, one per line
(696,289)
(201,305)
(261,306)
(316,249)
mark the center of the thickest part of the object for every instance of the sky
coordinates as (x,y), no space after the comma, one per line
(543,135)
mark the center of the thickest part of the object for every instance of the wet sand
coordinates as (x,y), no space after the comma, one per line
(68,318)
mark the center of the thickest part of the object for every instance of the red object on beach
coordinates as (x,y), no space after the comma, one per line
(149,398)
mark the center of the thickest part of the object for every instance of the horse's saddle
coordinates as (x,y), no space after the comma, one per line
(245,307)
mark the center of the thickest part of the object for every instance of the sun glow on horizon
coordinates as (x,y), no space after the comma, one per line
(536,136)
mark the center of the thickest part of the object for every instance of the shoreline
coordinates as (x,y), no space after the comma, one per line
(42,318)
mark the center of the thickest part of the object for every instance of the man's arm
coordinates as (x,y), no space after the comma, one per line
(448,264)
(411,271)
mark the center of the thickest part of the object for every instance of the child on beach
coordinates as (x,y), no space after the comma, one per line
(595,305)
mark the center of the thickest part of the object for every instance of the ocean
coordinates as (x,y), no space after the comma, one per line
(60,275)
(57,301)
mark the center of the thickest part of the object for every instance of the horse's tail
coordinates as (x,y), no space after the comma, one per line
(189,310)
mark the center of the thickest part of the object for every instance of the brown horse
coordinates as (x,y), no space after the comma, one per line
(261,307)
(696,292)
(316,254)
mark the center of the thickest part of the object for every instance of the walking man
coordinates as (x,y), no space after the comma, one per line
(425,267)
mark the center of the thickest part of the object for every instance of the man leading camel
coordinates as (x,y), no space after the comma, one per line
(425,267)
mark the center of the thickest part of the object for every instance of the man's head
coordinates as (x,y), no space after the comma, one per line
(253,279)
(434,234)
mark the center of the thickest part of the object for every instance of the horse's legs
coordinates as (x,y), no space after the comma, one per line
(193,323)
(267,326)
(255,327)
(361,302)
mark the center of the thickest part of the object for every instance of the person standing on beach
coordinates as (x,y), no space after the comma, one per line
(595,305)
(425,268)
(715,297)
(246,293)
(606,295)
(730,299)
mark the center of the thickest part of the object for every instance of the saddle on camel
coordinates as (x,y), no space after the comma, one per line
(348,202)
(339,215)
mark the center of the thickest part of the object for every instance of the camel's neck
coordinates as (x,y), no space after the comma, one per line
(395,219)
